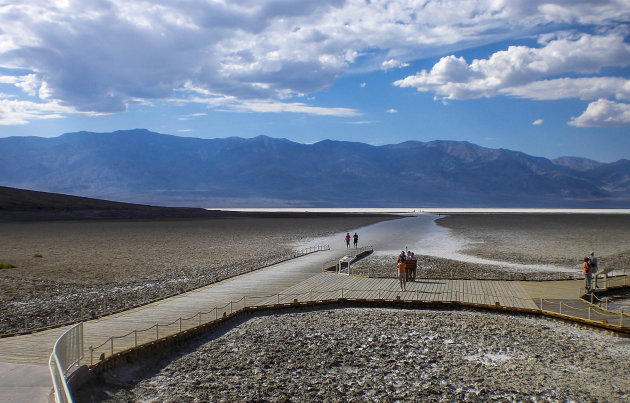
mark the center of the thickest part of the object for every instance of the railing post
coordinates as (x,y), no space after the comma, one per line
(91,355)
(199,318)
(135,337)
(589,312)
(216,313)
(621,316)
(230,306)
(111,345)
(541,303)
(560,307)
(278,298)
(180,324)
(341,292)
(157,331)
(244,301)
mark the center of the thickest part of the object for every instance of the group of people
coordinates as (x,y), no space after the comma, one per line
(589,267)
(407,265)
(355,238)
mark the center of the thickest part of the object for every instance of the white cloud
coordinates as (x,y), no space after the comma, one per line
(518,66)
(585,88)
(192,115)
(392,110)
(524,72)
(17,112)
(101,55)
(603,113)
(537,122)
(294,107)
(393,64)
(362,122)
(362,85)
(192,94)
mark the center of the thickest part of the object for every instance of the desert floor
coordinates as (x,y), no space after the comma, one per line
(66,267)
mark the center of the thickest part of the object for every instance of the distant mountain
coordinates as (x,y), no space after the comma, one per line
(577,163)
(151,168)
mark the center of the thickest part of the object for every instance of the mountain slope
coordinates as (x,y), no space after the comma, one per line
(144,167)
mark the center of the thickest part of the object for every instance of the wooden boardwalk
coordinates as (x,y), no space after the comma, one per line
(300,279)
(331,285)
(36,348)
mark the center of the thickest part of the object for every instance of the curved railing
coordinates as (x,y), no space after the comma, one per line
(67,353)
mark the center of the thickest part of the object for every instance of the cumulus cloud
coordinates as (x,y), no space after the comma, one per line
(523,71)
(392,110)
(537,122)
(603,113)
(519,66)
(100,55)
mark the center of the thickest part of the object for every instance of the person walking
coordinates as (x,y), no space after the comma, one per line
(402,275)
(347,240)
(356,239)
(588,273)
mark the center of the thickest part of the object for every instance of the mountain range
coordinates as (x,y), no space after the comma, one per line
(140,166)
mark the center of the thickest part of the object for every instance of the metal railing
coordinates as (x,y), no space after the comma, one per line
(56,319)
(136,337)
(67,353)
(586,311)
(356,251)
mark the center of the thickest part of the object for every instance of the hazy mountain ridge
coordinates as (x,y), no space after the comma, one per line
(144,167)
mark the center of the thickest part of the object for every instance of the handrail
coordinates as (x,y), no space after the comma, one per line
(55,320)
(67,352)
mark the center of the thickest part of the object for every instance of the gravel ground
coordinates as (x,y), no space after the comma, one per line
(64,268)
(432,267)
(381,355)
(560,239)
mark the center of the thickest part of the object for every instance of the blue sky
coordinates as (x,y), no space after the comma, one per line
(548,78)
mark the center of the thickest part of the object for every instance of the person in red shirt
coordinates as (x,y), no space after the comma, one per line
(347,239)
(402,276)
(587,269)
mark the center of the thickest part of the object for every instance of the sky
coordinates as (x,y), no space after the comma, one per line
(548,78)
